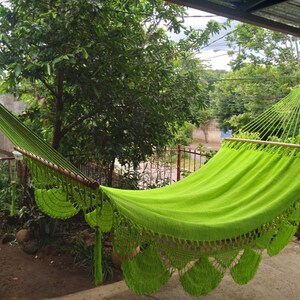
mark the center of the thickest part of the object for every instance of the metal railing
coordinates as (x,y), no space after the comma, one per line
(162,168)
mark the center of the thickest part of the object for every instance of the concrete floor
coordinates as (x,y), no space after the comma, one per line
(278,278)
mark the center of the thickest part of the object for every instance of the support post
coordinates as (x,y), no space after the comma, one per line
(178,161)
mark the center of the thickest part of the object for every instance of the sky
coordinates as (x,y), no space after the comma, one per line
(214,55)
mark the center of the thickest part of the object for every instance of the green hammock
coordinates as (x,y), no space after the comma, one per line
(243,201)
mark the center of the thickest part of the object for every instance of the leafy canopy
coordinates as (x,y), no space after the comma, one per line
(265,67)
(102,76)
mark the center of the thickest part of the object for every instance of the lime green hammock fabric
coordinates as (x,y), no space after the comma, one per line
(243,201)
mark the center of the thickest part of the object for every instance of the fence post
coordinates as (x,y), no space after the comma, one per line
(178,161)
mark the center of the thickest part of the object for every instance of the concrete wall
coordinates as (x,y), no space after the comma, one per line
(210,134)
(15,106)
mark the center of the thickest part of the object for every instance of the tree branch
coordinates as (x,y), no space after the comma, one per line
(77,122)
(52,91)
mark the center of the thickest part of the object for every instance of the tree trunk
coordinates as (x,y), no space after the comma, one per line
(59,106)
(205,131)
(111,167)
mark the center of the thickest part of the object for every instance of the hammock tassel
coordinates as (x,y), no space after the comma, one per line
(282,238)
(98,274)
(247,266)
(202,278)
(145,273)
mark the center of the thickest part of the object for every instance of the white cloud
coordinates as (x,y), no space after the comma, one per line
(217,60)
(198,19)
(215,55)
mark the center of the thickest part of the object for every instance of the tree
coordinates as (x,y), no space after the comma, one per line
(243,94)
(104,74)
(200,117)
(265,68)
(260,46)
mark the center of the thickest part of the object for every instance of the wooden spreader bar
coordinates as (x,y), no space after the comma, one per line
(89,183)
(263,142)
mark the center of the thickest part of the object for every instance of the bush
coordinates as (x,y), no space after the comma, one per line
(5,186)
(183,135)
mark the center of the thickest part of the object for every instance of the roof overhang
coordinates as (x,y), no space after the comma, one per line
(278,15)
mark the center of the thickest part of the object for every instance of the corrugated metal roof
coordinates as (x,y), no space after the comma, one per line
(287,13)
(279,15)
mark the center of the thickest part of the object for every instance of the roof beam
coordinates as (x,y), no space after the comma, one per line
(238,15)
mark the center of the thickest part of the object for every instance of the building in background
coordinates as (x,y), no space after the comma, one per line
(15,106)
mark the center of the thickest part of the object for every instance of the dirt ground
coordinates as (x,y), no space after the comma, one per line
(30,277)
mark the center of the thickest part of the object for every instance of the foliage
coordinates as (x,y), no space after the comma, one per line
(247,135)
(6,187)
(40,226)
(183,135)
(205,117)
(263,47)
(82,250)
(102,76)
(291,140)
(129,180)
(82,253)
(265,67)
(245,93)
(207,153)
(238,121)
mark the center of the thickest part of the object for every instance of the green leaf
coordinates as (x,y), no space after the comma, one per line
(60,59)
(95,90)
(48,69)
(84,53)
(18,69)
(3,87)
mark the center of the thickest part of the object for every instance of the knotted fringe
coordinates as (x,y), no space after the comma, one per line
(145,273)
(202,278)
(282,238)
(201,265)
(247,266)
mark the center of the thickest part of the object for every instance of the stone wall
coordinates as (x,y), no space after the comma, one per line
(15,106)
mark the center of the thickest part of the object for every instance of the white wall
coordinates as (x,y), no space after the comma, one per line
(213,133)
(15,106)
